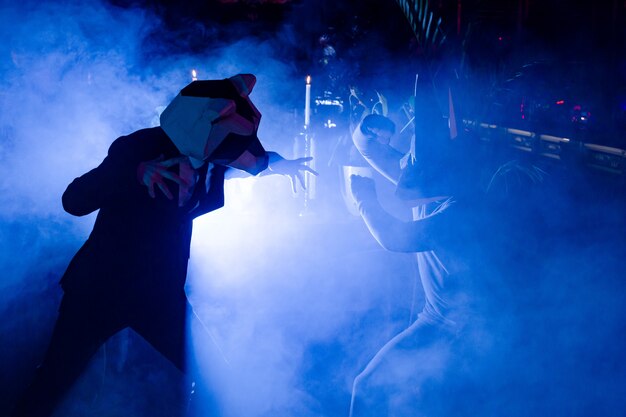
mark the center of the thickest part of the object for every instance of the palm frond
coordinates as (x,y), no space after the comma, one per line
(427,26)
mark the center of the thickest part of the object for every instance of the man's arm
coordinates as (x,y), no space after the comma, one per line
(115,176)
(293,168)
(382,157)
(390,232)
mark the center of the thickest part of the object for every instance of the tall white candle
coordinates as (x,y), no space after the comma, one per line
(307,102)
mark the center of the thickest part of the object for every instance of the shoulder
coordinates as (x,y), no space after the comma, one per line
(143,137)
(142,143)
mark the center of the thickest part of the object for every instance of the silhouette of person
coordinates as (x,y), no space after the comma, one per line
(456,234)
(372,139)
(131,271)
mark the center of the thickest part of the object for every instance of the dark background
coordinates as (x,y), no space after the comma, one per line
(299,301)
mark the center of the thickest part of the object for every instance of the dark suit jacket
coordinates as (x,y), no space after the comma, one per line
(139,246)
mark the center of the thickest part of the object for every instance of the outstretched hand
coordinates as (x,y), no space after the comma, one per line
(156,172)
(293,168)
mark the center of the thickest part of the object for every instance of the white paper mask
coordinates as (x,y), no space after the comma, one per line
(203,115)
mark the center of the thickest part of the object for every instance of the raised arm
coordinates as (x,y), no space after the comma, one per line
(392,233)
(371,139)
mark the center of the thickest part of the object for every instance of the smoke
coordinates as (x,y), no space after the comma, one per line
(74,78)
(295,304)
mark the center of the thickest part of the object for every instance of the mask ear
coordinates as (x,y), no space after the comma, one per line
(243,83)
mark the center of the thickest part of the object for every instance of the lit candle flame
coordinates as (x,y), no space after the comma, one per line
(194,75)
(308,79)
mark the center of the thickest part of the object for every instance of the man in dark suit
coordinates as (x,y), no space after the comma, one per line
(131,271)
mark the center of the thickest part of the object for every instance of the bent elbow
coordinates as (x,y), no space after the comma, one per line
(72,206)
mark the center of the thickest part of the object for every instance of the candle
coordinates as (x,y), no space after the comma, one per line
(307,102)
(194,75)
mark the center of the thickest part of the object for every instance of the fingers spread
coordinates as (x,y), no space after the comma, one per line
(301,180)
(174,177)
(165,190)
(311,170)
(294,187)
